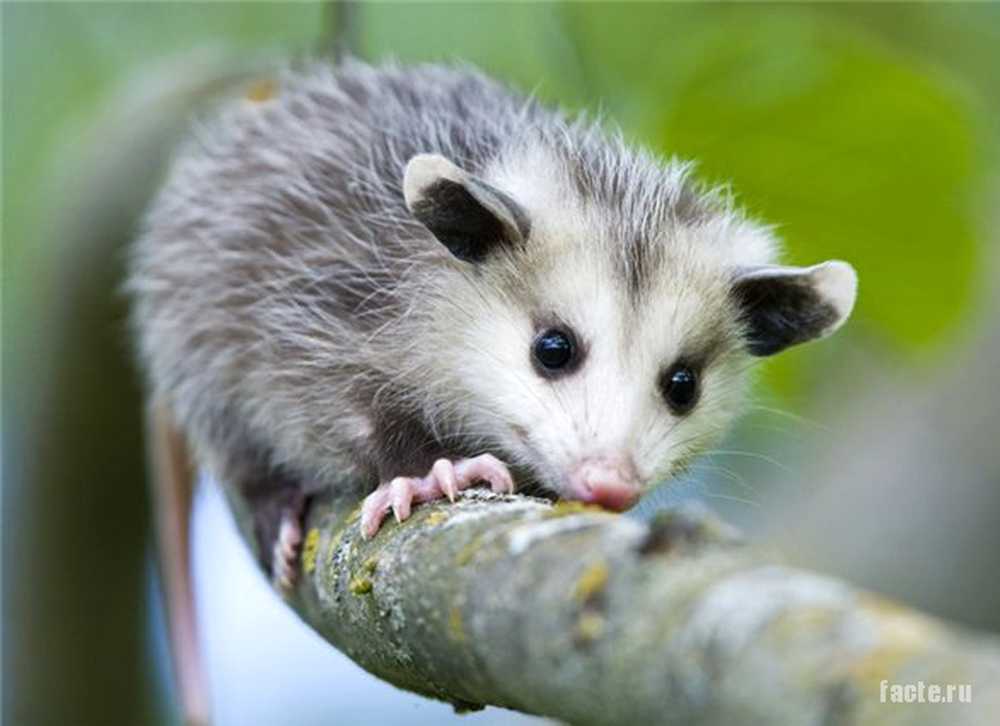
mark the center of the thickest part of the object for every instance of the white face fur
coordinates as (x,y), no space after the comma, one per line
(599,382)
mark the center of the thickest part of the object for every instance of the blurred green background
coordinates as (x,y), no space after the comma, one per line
(864,132)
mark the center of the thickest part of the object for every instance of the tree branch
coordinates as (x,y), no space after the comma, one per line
(593,618)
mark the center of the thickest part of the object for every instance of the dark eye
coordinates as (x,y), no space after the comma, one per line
(553,349)
(679,385)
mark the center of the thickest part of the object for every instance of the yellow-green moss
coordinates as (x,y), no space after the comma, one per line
(591,582)
(355,514)
(566,507)
(438,516)
(468,551)
(310,550)
(456,629)
(792,623)
(902,637)
(589,627)
(360,585)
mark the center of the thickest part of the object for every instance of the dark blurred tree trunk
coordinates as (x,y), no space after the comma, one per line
(76,525)
(75,611)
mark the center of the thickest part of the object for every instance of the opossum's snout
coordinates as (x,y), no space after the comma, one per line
(610,481)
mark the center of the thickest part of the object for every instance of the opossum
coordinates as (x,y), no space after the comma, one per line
(414,279)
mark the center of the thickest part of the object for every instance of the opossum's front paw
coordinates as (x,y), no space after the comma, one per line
(445,479)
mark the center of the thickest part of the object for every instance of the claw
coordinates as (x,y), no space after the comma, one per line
(444,472)
(401,489)
(506,486)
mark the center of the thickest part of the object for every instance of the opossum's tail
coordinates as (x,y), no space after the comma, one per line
(172,481)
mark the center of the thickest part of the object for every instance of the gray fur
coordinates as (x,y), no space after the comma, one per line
(299,319)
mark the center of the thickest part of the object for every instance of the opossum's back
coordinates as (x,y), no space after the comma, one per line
(281,237)
(334,141)
(311,178)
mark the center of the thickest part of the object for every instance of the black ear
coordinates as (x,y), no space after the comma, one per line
(466,214)
(783,306)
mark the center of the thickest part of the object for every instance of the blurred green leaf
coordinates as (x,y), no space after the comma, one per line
(854,155)
(520,42)
(851,150)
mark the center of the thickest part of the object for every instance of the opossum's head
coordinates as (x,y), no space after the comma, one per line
(601,326)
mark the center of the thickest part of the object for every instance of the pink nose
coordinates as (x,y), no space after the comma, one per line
(610,481)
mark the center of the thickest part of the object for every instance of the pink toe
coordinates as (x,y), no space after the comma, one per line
(290,533)
(373,511)
(486,467)
(285,551)
(427,489)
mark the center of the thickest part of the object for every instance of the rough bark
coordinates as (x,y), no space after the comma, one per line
(594,618)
